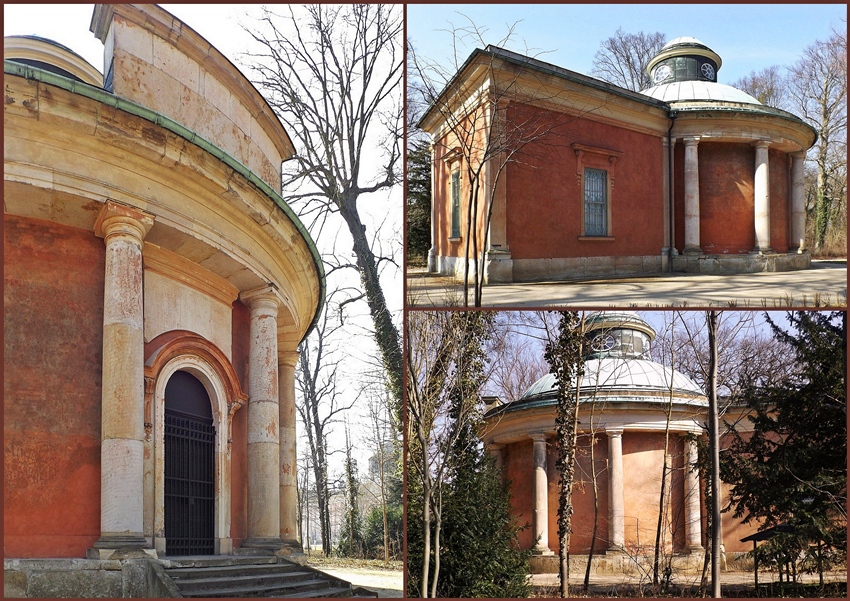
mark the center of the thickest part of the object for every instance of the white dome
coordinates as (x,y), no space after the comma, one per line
(615,373)
(682,40)
(681,91)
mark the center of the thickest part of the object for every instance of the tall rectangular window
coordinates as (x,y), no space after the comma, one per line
(595,202)
(455,204)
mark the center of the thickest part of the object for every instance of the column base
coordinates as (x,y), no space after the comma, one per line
(261,546)
(692,250)
(762,251)
(542,551)
(121,546)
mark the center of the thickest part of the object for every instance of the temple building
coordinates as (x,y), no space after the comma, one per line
(625,401)
(156,289)
(580,178)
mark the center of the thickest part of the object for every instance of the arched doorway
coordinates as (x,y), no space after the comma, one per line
(189,467)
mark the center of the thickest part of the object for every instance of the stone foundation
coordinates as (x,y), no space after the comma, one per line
(504,271)
(749,263)
(41,578)
(616,563)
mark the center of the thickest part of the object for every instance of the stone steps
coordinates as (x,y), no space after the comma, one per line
(253,577)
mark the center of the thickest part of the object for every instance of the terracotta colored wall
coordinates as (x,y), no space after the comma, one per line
(239,448)
(643,456)
(582,522)
(53,348)
(544,212)
(726,173)
(519,470)
(726,179)
(780,186)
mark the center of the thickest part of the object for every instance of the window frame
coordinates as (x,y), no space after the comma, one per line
(599,159)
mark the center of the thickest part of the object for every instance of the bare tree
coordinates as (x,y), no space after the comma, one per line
(622,59)
(441,410)
(818,90)
(320,405)
(769,86)
(333,75)
(482,123)
(714,449)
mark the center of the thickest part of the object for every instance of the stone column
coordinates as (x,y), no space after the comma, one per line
(667,209)
(263,422)
(798,200)
(541,495)
(692,196)
(123,384)
(761,193)
(693,518)
(616,504)
(288,452)
(432,252)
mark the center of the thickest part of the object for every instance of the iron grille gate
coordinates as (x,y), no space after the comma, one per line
(189,485)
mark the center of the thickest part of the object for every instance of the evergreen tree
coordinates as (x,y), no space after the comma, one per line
(418,201)
(793,468)
(478,550)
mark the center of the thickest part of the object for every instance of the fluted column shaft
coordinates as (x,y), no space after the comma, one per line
(288,451)
(541,496)
(263,422)
(798,202)
(123,383)
(693,518)
(616,504)
(692,242)
(761,193)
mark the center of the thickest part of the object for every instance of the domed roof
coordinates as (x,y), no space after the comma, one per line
(709,91)
(50,56)
(624,375)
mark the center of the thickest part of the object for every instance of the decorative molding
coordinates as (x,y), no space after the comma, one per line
(185,271)
(179,343)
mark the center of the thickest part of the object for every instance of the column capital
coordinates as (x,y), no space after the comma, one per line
(288,358)
(799,155)
(116,218)
(618,431)
(264,296)
(539,436)
(761,143)
(690,140)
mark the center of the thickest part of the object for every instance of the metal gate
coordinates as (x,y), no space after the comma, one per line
(189,480)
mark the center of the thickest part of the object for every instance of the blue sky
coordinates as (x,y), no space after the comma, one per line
(748,37)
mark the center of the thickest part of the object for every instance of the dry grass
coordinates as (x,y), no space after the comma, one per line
(320,561)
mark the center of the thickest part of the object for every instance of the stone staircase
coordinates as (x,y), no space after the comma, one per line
(251,577)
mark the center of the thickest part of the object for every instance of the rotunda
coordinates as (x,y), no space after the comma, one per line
(737,178)
(625,400)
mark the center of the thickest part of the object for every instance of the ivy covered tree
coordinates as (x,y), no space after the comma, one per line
(564,355)
(793,467)
(351,542)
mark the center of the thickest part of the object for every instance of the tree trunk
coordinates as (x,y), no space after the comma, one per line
(714,449)
(386,333)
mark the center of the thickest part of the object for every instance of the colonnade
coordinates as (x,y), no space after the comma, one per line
(271,517)
(616,493)
(761,194)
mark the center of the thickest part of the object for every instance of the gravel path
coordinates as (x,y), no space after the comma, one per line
(384,582)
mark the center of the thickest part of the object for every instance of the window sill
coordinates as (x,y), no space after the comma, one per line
(596,238)
(455,240)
